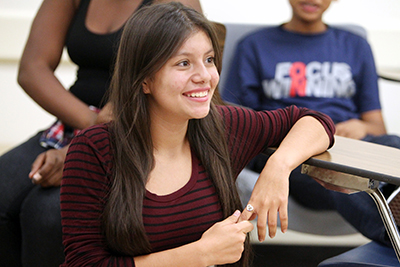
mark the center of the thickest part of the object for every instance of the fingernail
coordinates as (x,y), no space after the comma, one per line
(37,176)
(237,213)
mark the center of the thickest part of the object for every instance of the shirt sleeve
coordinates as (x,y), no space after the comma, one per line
(367,95)
(251,132)
(84,189)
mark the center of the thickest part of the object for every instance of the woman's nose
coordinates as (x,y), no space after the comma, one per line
(202,74)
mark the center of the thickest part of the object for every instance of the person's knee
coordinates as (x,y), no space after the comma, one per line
(386,140)
(41,210)
(15,184)
(41,230)
(393,141)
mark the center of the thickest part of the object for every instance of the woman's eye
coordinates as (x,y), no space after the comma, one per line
(183,63)
(210,60)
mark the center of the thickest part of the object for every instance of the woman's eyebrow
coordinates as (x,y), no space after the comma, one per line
(187,53)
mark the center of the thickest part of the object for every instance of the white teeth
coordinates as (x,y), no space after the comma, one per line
(199,94)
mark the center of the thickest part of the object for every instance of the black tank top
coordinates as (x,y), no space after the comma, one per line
(94,54)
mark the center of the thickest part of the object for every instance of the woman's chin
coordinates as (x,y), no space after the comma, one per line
(201,113)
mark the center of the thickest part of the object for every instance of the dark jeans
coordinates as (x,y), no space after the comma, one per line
(30,220)
(358,209)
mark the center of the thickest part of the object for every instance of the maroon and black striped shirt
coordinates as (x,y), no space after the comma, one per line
(171,220)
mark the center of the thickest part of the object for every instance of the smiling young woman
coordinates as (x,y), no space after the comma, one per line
(156,186)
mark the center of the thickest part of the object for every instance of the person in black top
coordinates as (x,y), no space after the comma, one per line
(30,174)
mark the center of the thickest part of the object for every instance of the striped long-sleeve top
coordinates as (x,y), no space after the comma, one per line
(170,220)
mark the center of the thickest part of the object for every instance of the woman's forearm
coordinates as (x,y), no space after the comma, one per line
(40,83)
(306,138)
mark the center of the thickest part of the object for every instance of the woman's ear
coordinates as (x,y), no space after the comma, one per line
(146,87)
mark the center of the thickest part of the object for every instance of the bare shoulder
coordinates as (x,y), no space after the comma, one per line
(54,8)
(49,28)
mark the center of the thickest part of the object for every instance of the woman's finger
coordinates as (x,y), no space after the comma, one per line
(248,213)
(283,217)
(272,222)
(262,226)
(36,166)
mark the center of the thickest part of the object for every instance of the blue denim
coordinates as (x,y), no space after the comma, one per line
(386,140)
(358,209)
(30,219)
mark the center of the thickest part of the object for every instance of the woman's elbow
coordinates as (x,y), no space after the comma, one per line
(21,77)
(29,71)
(24,75)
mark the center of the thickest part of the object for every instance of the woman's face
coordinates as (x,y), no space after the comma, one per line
(182,89)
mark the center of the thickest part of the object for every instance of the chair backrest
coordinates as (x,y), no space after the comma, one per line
(236,32)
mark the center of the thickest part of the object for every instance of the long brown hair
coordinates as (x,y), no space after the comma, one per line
(150,37)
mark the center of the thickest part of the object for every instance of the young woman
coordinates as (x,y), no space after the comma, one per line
(156,186)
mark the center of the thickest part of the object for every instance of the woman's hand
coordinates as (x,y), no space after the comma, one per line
(47,169)
(223,243)
(268,199)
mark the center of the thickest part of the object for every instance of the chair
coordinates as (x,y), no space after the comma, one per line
(372,254)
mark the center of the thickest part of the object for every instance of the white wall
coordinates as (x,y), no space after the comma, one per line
(20,117)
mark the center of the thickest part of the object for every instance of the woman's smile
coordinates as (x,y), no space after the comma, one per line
(198,95)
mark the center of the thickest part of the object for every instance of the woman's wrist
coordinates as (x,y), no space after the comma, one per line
(92,116)
(284,164)
(201,254)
